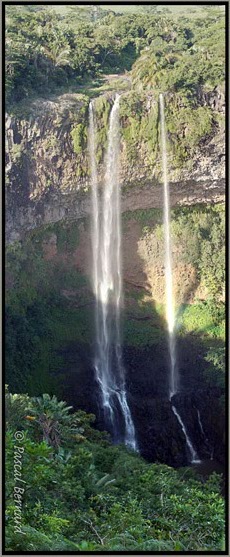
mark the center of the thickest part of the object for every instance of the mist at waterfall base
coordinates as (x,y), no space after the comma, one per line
(107,285)
(170,309)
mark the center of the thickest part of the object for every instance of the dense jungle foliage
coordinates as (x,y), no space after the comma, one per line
(83,494)
(45,49)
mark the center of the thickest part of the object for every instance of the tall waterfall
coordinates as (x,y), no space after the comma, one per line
(107,285)
(170,310)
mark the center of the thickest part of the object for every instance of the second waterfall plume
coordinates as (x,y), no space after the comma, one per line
(170,311)
(107,285)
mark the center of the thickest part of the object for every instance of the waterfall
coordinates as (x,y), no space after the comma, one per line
(107,285)
(170,310)
(192,452)
(200,423)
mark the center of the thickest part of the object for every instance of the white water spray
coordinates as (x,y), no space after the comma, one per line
(170,309)
(107,285)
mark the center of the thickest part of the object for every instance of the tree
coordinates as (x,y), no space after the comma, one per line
(54,419)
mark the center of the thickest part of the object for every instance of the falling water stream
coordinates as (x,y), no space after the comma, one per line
(107,285)
(170,311)
(193,453)
(200,423)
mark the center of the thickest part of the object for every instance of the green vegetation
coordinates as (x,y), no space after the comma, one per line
(148,218)
(185,61)
(204,318)
(84,494)
(198,236)
(181,56)
(79,137)
(44,51)
(102,108)
(140,127)
(200,233)
(142,332)
(216,373)
(39,318)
